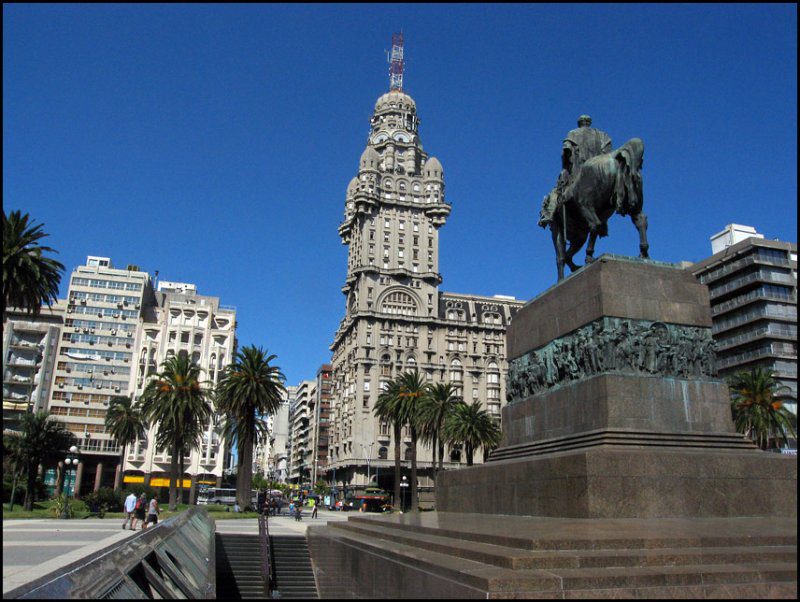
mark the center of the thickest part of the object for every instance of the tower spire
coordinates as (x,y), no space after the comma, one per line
(396,62)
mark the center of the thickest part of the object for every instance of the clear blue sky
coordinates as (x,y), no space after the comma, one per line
(215,143)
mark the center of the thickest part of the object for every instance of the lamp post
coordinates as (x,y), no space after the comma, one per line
(72,458)
(404,486)
(367,449)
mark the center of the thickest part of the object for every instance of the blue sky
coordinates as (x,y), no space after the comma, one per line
(214,143)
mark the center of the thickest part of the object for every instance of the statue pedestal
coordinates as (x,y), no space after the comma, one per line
(615,411)
(621,478)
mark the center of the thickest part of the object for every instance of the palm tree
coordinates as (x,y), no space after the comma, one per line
(757,414)
(412,395)
(389,409)
(29,278)
(126,424)
(40,439)
(249,389)
(178,402)
(440,403)
(473,427)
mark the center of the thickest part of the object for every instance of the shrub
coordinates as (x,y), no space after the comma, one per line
(62,506)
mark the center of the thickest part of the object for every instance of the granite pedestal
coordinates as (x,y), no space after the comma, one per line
(619,475)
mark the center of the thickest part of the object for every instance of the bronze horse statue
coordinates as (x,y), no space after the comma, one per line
(604,184)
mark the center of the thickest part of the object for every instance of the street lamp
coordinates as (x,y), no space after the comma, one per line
(404,486)
(367,449)
(72,458)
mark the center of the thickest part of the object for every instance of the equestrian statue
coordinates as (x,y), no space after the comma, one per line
(595,182)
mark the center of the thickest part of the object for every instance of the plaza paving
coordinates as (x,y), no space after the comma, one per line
(35,547)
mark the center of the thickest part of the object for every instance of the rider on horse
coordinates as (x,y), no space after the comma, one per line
(580,145)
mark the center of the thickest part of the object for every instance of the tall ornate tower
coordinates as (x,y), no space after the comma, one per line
(395,317)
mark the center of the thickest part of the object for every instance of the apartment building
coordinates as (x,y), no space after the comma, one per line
(752,282)
(320,422)
(29,352)
(280,439)
(300,432)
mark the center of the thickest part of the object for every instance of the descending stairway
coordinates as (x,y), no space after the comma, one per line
(484,556)
(239,571)
(292,572)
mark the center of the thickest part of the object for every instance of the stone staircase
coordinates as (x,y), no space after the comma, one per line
(293,576)
(479,556)
(239,570)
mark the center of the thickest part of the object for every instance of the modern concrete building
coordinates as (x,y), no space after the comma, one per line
(95,358)
(320,422)
(396,318)
(178,320)
(302,438)
(752,283)
(280,440)
(29,352)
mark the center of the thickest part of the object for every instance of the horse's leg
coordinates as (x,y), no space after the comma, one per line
(575,245)
(558,243)
(640,221)
(590,246)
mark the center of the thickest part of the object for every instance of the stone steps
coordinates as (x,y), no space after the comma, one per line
(515,558)
(293,576)
(414,560)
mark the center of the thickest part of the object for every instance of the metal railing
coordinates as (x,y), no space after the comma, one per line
(266,555)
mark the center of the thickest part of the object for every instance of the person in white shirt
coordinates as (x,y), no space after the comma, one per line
(130,507)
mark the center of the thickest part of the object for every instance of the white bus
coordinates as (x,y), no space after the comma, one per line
(218,495)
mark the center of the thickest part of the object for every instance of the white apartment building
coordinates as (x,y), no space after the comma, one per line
(179,320)
(302,438)
(29,351)
(280,440)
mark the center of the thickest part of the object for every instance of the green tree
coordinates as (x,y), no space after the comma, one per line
(126,424)
(473,427)
(249,389)
(757,414)
(412,394)
(29,278)
(178,402)
(389,408)
(41,440)
(440,403)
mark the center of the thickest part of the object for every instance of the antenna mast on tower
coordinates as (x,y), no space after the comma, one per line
(396,62)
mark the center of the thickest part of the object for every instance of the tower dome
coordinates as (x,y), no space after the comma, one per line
(370,159)
(395,100)
(352,187)
(433,169)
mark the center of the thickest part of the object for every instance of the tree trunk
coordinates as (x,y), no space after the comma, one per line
(244,476)
(180,478)
(414,493)
(469,451)
(441,456)
(118,478)
(398,501)
(29,494)
(13,491)
(435,470)
(173,483)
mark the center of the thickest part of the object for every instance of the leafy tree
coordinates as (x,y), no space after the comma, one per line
(440,403)
(473,427)
(757,413)
(178,402)
(412,395)
(41,439)
(249,389)
(389,408)
(29,278)
(126,424)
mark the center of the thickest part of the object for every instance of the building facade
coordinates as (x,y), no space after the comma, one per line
(280,440)
(752,284)
(95,360)
(300,432)
(29,352)
(396,318)
(178,320)
(320,422)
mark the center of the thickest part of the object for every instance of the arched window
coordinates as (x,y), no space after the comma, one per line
(383,453)
(493,374)
(456,372)
(400,303)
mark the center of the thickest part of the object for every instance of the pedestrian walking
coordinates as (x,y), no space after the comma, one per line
(129,508)
(138,513)
(152,512)
(314,507)
(298,511)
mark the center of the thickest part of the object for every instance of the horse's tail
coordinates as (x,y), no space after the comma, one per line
(628,179)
